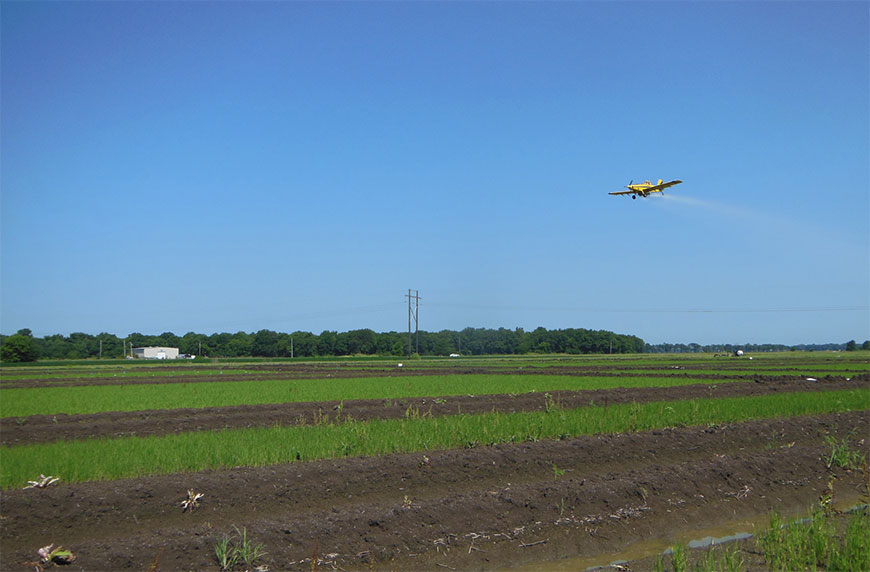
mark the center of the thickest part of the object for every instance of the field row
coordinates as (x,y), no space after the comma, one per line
(452,463)
(19,402)
(102,459)
(702,363)
(134,377)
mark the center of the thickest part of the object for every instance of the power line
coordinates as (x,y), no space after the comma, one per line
(289,318)
(654,310)
(415,314)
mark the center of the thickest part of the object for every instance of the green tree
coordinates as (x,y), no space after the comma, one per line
(55,347)
(361,342)
(387,342)
(442,343)
(851,346)
(18,348)
(304,344)
(168,340)
(194,344)
(83,345)
(112,346)
(326,343)
(239,345)
(265,344)
(138,340)
(865,345)
(218,344)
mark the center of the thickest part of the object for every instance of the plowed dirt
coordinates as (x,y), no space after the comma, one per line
(473,509)
(483,508)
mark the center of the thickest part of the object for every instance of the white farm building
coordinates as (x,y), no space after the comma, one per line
(155,353)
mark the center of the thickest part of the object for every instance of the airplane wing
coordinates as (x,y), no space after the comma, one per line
(622,193)
(660,188)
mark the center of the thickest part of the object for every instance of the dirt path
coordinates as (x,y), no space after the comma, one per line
(42,428)
(471,509)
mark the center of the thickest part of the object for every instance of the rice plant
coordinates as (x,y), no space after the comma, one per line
(236,549)
(815,541)
(106,459)
(22,402)
(842,454)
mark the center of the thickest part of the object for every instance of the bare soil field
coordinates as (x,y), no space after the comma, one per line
(473,509)
(482,508)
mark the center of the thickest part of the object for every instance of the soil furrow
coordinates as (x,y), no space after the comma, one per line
(480,508)
(289,374)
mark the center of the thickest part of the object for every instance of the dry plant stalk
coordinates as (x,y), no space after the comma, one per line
(192,501)
(42,482)
(51,555)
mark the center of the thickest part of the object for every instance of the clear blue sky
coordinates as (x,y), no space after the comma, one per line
(208,167)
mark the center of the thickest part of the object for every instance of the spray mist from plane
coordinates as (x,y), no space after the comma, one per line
(773,230)
(738,213)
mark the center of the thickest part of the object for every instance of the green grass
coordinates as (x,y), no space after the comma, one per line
(106,459)
(120,373)
(816,363)
(806,544)
(236,549)
(715,559)
(842,455)
(815,541)
(22,402)
(811,371)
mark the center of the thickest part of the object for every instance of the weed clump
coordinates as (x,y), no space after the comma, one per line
(842,455)
(815,541)
(237,549)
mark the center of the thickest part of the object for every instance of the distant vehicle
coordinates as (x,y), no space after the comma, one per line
(735,353)
(454,355)
(646,188)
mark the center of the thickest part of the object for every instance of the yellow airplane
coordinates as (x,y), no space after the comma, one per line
(646,188)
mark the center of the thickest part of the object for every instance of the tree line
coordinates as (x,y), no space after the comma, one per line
(23,346)
(849,346)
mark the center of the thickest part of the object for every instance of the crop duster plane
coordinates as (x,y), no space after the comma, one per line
(646,188)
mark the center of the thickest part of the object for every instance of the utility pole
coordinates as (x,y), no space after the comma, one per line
(413,313)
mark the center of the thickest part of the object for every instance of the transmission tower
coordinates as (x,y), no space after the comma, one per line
(413,314)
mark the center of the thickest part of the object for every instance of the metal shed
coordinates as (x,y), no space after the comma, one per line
(155,352)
